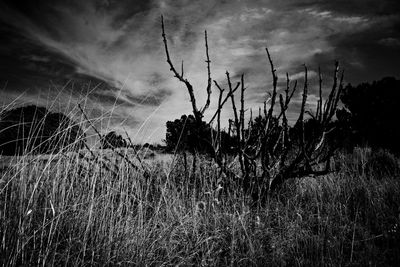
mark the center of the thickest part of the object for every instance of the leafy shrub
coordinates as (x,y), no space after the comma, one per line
(112,140)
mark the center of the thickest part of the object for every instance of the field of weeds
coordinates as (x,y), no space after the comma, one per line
(69,210)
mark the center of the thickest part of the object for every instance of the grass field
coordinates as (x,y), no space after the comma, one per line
(67,210)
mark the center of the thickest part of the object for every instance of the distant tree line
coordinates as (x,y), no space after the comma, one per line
(113,140)
(186,134)
(33,129)
(368,117)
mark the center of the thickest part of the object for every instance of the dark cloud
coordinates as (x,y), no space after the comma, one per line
(154,99)
(128,100)
(365,7)
(27,65)
(365,55)
(110,100)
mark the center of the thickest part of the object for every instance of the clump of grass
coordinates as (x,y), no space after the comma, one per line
(382,164)
(93,208)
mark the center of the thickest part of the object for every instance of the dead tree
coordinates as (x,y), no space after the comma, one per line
(197,112)
(272,152)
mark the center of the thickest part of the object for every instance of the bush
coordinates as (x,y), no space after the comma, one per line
(112,140)
(32,129)
(371,115)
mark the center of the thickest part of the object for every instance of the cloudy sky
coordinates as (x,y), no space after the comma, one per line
(108,55)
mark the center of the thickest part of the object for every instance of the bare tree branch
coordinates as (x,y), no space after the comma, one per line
(209,81)
(241,121)
(224,101)
(319,105)
(329,101)
(196,112)
(273,97)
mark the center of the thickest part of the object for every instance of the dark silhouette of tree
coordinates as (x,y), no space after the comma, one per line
(37,130)
(112,140)
(371,115)
(187,134)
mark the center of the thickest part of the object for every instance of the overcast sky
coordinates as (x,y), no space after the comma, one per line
(55,53)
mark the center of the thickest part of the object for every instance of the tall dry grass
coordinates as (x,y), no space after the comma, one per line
(68,209)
